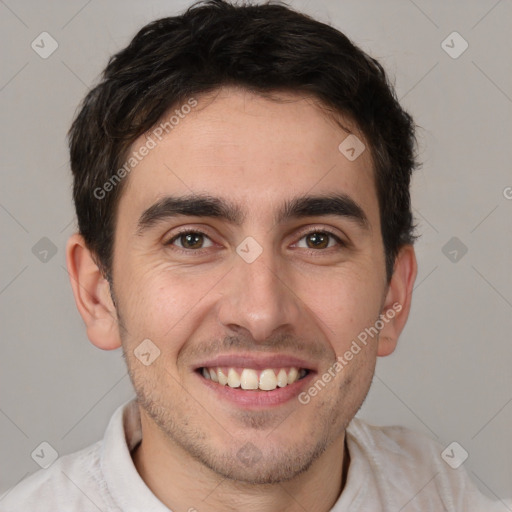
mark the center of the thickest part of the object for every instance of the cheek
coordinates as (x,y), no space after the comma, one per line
(346,301)
(163,304)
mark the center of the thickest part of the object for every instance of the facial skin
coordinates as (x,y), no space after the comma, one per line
(296,298)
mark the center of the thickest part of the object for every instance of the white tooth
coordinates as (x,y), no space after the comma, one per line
(268,380)
(222,377)
(282,378)
(233,379)
(206,374)
(249,379)
(292,375)
(213,375)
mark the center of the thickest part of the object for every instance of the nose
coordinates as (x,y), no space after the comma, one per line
(258,298)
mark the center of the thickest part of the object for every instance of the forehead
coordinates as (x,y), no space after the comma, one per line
(250,150)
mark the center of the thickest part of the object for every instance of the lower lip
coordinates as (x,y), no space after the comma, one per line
(258,399)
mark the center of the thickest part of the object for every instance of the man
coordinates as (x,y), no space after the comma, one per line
(241,181)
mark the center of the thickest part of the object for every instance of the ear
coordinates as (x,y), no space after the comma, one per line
(397,303)
(92,295)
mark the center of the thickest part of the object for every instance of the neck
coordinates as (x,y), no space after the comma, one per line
(184,484)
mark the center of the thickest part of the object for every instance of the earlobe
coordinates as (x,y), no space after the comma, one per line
(92,295)
(397,303)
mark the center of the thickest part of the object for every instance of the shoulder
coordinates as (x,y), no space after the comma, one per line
(406,464)
(394,443)
(396,453)
(71,482)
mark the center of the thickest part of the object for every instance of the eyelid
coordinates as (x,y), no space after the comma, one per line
(205,231)
(303,233)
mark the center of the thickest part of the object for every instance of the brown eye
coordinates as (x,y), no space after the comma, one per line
(191,240)
(320,240)
(317,240)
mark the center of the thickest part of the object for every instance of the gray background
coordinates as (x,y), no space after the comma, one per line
(451,374)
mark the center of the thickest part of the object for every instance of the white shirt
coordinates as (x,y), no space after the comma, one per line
(391,469)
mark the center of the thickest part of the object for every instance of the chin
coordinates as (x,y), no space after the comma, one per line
(250,466)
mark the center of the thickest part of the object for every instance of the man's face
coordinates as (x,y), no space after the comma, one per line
(318,283)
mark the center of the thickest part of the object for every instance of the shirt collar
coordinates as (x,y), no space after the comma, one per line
(124,484)
(131,494)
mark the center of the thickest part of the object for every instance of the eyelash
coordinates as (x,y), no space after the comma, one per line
(340,242)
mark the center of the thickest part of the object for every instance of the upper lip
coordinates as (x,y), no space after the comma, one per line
(257,362)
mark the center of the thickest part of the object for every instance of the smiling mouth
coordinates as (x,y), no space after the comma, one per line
(255,380)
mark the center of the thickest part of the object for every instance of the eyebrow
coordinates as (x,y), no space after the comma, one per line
(203,205)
